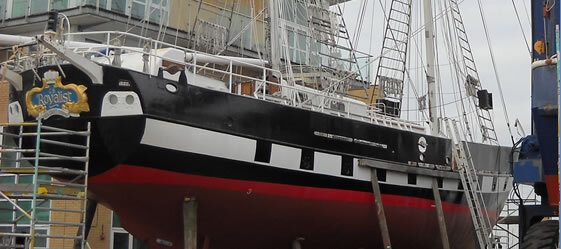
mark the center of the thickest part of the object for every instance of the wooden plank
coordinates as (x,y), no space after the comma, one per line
(16,188)
(440,215)
(190,223)
(382,222)
(42,189)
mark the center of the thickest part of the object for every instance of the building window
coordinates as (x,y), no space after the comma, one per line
(297,44)
(59,4)
(138,8)
(2,10)
(156,11)
(295,18)
(9,215)
(102,3)
(39,241)
(295,11)
(39,6)
(19,8)
(7,211)
(119,6)
(121,239)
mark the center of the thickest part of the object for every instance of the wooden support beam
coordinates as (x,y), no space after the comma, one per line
(382,222)
(190,223)
(440,215)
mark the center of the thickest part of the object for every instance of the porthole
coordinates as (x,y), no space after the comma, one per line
(113,99)
(171,88)
(129,99)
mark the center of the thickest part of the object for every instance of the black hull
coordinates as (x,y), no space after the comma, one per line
(118,141)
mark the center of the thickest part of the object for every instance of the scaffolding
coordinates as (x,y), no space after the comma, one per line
(506,231)
(56,160)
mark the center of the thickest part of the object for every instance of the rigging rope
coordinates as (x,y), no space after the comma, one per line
(407,74)
(455,72)
(521,27)
(526,11)
(360,22)
(493,60)
(438,75)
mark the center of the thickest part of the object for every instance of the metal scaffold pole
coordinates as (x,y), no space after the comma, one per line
(56,160)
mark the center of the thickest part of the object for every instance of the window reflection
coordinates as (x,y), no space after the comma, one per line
(39,6)
(119,5)
(102,3)
(155,11)
(2,9)
(120,240)
(59,4)
(19,7)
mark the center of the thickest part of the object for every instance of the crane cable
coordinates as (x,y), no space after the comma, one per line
(495,71)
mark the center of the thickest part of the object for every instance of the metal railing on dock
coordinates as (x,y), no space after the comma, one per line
(56,160)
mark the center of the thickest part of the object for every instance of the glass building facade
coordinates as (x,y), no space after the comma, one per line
(156,11)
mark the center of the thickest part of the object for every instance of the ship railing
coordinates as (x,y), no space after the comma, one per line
(288,92)
(261,83)
(368,115)
(292,95)
(117,36)
(396,122)
(29,61)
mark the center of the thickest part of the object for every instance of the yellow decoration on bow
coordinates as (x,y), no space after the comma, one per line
(51,79)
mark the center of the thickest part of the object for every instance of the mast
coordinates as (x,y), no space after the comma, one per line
(430,71)
(274,58)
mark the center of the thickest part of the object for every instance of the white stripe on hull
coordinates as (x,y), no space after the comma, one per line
(190,139)
(327,164)
(200,141)
(285,157)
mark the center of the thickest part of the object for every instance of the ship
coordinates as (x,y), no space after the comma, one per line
(274,152)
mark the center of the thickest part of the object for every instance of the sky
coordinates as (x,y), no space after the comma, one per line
(512,57)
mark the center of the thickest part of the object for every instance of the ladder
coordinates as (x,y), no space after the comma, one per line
(472,81)
(471,186)
(390,74)
(48,193)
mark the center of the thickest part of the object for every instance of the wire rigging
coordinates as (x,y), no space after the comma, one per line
(455,72)
(521,27)
(360,22)
(495,70)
